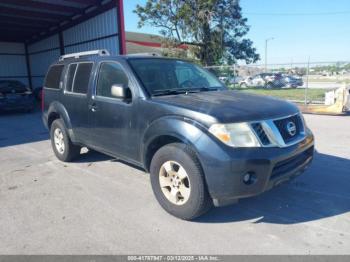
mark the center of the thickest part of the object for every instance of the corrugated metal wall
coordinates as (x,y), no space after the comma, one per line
(98,32)
(97,27)
(111,44)
(13,62)
(42,55)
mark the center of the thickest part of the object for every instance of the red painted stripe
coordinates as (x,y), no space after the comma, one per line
(145,43)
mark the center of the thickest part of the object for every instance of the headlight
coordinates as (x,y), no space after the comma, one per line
(235,135)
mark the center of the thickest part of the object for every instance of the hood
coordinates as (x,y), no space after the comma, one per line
(231,106)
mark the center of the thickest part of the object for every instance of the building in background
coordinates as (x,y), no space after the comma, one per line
(143,43)
(147,43)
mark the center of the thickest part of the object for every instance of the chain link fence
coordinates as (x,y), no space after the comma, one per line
(307,82)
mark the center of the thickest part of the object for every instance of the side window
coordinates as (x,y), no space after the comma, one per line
(257,77)
(81,79)
(110,74)
(53,77)
(70,77)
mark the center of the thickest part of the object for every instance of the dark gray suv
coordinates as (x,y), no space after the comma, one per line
(202,143)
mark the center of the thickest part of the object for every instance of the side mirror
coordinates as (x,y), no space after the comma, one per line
(119,91)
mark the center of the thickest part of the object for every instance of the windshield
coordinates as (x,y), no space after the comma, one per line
(167,76)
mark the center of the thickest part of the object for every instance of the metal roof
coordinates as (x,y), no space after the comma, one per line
(32,20)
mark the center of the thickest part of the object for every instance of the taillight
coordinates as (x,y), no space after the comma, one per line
(42,100)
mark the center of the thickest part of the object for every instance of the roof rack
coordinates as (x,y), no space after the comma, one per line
(145,54)
(101,52)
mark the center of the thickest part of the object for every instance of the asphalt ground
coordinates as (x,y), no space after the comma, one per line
(98,205)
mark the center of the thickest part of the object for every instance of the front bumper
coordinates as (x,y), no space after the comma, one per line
(268,167)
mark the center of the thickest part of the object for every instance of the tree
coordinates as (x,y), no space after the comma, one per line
(215,27)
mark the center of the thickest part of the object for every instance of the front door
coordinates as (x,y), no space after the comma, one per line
(113,120)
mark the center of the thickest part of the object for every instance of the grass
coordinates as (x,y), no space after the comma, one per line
(288,94)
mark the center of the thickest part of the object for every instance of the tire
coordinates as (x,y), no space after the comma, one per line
(68,151)
(243,85)
(179,157)
(269,85)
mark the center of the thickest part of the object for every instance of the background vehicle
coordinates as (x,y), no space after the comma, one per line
(223,79)
(292,81)
(202,143)
(266,80)
(235,80)
(14,95)
(230,79)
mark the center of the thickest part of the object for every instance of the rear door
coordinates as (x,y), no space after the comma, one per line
(113,121)
(75,100)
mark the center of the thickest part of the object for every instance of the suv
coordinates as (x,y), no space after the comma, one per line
(202,143)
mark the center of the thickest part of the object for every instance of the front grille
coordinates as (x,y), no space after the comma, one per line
(261,133)
(291,164)
(282,125)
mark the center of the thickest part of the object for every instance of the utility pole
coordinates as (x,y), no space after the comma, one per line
(307,80)
(266,41)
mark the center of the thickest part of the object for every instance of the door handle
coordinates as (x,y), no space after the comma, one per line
(93,107)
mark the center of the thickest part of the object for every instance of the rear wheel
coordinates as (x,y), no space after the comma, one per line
(178,182)
(62,146)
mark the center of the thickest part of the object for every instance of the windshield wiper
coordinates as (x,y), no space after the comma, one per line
(165,92)
(204,89)
(183,91)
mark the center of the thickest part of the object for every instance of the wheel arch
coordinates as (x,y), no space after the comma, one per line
(166,131)
(58,111)
(52,117)
(156,144)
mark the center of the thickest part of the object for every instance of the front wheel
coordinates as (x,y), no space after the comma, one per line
(178,182)
(62,146)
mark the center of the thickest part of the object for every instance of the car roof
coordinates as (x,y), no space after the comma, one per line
(115,58)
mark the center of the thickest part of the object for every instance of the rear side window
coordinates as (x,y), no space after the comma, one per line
(81,79)
(53,77)
(70,77)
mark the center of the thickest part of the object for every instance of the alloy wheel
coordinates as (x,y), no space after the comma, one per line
(59,140)
(174,182)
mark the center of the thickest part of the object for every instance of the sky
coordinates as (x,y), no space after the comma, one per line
(319,29)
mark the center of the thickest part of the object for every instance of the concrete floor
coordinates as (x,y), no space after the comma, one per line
(97,205)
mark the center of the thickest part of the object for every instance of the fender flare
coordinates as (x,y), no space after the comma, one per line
(59,109)
(183,129)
